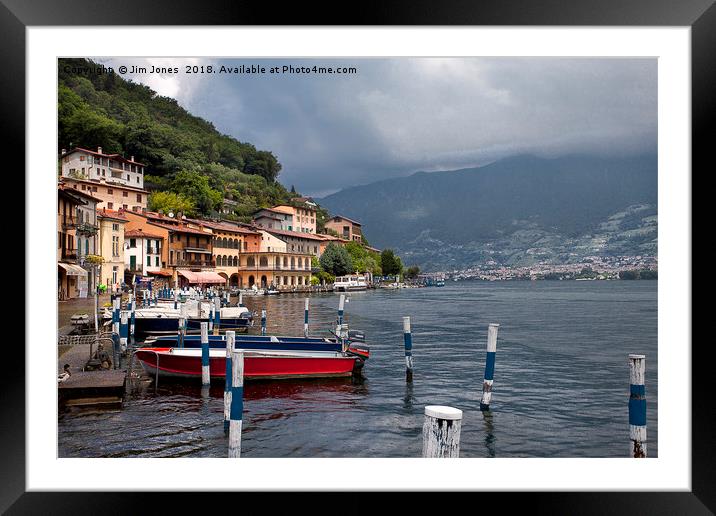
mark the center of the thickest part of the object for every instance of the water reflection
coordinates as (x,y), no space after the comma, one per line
(487,418)
(409,398)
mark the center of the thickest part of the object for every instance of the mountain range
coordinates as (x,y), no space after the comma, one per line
(516,211)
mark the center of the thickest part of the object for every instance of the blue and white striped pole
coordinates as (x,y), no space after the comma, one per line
(211,316)
(263,322)
(637,407)
(237,403)
(123,331)
(305,319)
(217,314)
(408,340)
(230,339)
(489,366)
(115,343)
(205,374)
(116,306)
(341,305)
(132,319)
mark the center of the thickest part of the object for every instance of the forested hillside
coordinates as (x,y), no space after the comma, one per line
(192,164)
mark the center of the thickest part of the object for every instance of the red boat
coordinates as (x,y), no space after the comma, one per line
(258,364)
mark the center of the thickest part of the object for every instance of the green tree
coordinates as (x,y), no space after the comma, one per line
(196,187)
(390,263)
(171,202)
(412,272)
(336,260)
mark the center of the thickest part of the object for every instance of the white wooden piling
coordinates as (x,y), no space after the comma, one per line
(408,341)
(205,374)
(237,403)
(441,432)
(489,366)
(230,339)
(263,322)
(637,406)
(182,324)
(241,299)
(123,331)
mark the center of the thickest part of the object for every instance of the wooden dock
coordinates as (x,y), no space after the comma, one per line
(93,384)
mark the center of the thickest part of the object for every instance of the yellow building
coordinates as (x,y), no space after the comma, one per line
(111,247)
(229,241)
(280,269)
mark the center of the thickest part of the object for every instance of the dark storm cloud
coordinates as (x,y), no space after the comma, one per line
(396,116)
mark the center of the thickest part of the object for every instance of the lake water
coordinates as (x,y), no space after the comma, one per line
(561,379)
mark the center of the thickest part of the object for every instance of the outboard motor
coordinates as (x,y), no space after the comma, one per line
(356,335)
(356,346)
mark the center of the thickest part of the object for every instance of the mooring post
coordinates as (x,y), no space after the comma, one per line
(205,376)
(230,339)
(176,299)
(123,331)
(408,340)
(217,314)
(263,322)
(132,319)
(211,316)
(115,343)
(341,305)
(305,319)
(441,432)
(637,407)
(489,366)
(241,299)
(237,403)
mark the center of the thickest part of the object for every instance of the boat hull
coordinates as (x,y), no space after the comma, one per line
(257,366)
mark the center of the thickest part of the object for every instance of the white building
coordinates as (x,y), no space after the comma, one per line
(90,165)
(142,252)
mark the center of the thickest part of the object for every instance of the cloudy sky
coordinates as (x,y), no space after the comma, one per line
(396,116)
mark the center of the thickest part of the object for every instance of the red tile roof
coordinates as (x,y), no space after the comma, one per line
(294,234)
(139,233)
(345,218)
(111,214)
(95,153)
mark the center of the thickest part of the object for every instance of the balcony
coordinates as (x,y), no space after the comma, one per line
(69,223)
(197,249)
(69,254)
(191,263)
(86,229)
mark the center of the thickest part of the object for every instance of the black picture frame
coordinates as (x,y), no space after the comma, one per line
(17,15)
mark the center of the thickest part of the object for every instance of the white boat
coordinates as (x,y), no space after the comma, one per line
(350,282)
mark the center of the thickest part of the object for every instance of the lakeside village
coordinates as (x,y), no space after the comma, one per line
(590,268)
(109,241)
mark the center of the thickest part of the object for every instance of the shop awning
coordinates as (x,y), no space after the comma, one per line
(202,278)
(162,272)
(72,270)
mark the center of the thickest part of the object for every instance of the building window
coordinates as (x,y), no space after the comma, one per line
(109,191)
(125,194)
(115,227)
(149,261)
(132,242)
(94,188)
(110,205)
(156,261)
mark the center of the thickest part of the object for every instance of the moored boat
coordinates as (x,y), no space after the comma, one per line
(258,364)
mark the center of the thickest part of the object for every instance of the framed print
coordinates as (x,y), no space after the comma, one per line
(287,251)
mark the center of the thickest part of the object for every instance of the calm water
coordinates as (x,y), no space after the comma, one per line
(561,379)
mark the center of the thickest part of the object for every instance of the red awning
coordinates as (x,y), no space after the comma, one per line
(202,278)
(161,272)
